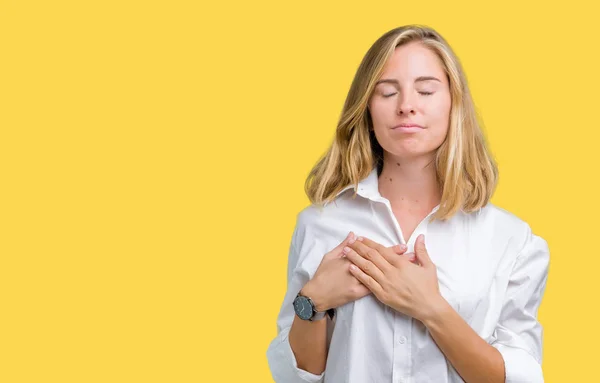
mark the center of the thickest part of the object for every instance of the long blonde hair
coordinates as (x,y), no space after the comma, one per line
(466,171)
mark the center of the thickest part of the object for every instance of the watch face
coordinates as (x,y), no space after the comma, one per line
(303,308)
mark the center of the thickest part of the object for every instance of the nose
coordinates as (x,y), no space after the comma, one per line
(405,105)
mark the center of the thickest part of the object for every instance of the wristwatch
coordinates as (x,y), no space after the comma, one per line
(305,309)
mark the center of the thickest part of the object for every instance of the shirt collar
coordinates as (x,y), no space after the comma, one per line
(367,187)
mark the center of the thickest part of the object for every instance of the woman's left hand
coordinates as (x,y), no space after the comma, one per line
(397,282)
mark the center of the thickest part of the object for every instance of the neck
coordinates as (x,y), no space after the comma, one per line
(410,183)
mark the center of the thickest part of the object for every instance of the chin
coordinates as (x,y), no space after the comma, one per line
(407,152)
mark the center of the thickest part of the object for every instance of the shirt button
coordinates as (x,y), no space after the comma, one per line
(402,340)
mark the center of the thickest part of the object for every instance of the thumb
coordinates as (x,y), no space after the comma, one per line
(421,251)
(337,251)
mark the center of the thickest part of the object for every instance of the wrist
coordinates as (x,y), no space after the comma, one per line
(311,291)
(436,311)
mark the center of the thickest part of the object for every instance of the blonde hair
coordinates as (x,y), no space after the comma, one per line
(466,171)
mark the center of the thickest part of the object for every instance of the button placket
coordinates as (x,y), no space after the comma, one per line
(424,222)
(402,352)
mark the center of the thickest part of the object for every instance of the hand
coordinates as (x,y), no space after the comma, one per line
(409,288)
(333,285)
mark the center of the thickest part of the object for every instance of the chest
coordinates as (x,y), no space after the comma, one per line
(408,221)
(464,258)
(467,252)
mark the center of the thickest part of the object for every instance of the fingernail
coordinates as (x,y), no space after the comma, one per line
(346,249)
(352,240)
(402,246)
(359,239)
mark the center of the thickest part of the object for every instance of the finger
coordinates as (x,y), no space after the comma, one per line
(337,251)
(421,252)
(372,254)
(401,250)
(411,258)
(398,249)
(389,256)
(366,265)
(366,280)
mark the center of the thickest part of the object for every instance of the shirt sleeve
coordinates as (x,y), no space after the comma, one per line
(518,334)
(281,359)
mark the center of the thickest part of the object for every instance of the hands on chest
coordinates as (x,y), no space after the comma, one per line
(359,266)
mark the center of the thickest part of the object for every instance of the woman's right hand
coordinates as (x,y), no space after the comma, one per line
(333,285)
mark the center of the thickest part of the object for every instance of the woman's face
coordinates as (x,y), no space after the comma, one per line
(413,90)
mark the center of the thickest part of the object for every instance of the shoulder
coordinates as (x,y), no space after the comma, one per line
(500,215)
(313,218)
(325,226)
(508,227)
(502,221)
(342,207)
(308,217)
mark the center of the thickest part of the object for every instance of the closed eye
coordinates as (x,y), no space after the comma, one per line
(421,93)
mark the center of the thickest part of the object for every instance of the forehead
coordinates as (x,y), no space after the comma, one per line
(413,60)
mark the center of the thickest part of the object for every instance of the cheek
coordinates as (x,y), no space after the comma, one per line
(439,116)
(378,113)
(439,110)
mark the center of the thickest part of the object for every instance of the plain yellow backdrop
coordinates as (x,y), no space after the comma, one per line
(153,157)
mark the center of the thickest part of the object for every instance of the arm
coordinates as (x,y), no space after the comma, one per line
(298,352)
(518,335)
(515,355)
(308,340)
(472,357)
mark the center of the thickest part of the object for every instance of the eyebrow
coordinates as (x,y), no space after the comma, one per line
(418,79)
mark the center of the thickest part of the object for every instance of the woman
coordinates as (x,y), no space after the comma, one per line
(432,282)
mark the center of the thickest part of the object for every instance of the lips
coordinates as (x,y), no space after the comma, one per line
(408,125)
(407,128)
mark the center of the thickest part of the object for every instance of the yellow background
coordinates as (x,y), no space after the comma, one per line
(153,157)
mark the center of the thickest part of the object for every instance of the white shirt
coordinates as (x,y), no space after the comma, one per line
(491,268)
